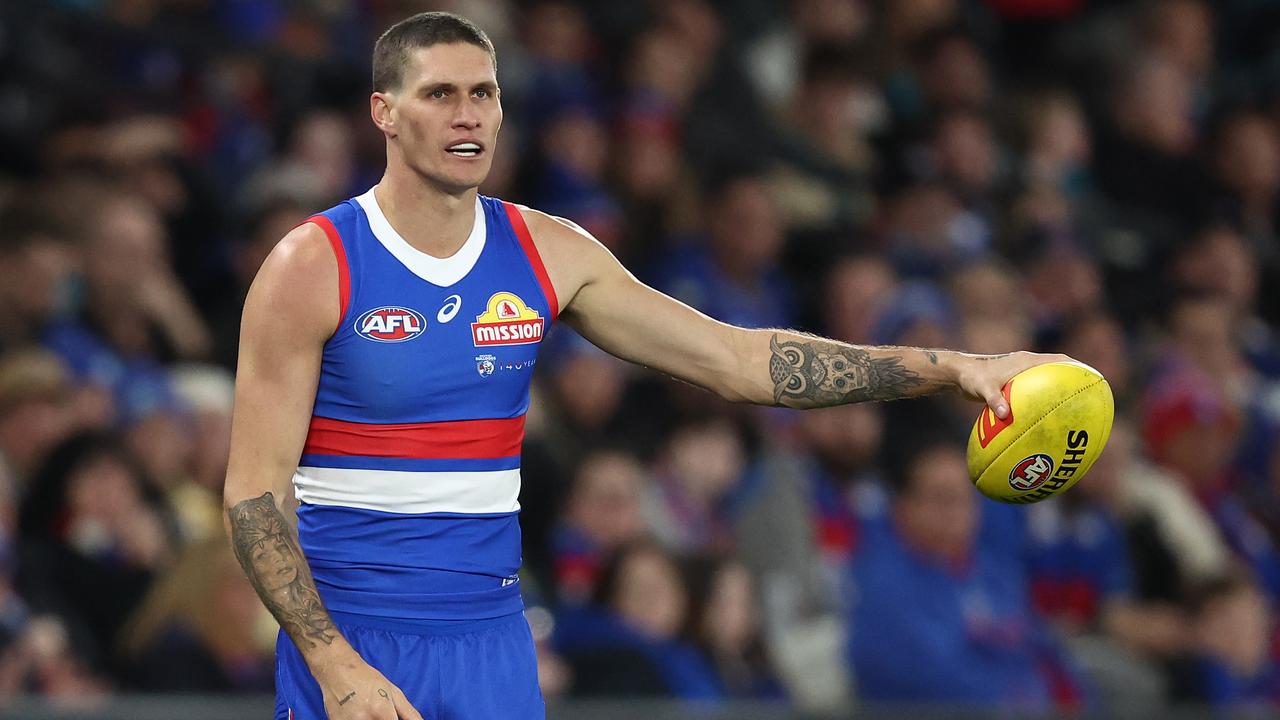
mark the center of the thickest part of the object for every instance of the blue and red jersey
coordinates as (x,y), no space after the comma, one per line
(410,475)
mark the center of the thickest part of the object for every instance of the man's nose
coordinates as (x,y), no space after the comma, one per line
(466,116)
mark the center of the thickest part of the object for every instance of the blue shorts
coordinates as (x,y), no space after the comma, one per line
(466,670)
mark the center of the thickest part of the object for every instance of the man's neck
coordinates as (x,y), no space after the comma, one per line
(430,220)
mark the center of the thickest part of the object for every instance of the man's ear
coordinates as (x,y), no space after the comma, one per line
(381,106)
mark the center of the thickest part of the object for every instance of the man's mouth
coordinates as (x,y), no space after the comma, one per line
(465,149)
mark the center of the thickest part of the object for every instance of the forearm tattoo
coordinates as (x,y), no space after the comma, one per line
(819,373)
(268,551)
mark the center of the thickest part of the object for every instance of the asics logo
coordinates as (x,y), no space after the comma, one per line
(450,308)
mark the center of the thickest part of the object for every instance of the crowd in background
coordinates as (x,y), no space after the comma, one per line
(1095,177)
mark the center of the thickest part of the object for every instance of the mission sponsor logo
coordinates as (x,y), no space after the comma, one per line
(390,324)
(507,321)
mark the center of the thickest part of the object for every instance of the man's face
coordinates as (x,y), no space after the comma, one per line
(444,117)
(938,514)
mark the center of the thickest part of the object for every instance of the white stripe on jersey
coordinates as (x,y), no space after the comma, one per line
(411,493)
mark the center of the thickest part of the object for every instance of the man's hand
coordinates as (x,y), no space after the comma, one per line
(981,377)
(354,690)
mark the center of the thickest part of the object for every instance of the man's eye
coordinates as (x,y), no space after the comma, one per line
(482,93)
(438,94)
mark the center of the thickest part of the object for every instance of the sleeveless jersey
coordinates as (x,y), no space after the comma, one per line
(409,479)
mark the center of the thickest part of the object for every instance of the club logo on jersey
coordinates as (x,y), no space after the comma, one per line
(989,426)
(485,365)
(391,324)
(1031,472)
(507,321)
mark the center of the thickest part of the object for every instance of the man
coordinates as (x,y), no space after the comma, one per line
(936,620)
(389,344)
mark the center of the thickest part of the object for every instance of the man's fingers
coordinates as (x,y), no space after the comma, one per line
(403,708)
(996,401)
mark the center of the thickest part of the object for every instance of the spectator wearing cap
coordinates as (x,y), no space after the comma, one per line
(35,414)
(935,620)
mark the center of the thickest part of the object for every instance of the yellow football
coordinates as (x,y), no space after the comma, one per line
(1059,421)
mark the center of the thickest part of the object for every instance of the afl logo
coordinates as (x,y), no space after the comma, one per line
(1031,472)
(390,324)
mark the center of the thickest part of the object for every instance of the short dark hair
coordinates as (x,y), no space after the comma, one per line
(391,52)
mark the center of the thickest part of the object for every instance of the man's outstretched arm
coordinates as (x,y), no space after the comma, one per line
(623,316)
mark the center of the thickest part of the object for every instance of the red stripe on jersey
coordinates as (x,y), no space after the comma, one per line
(535,260)
(344,271)
(456,440)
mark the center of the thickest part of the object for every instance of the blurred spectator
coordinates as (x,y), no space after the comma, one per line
(35,413)
(201,628)
(1231,665)
(856,289)
(1145,158)
(575,148)
(628,641)
(136,314)
(92,538)
(36,264)
(1172,539)
(1247,166)
(317,169)
(724,622)
(601,515)
(1097,339)
(1059,146)
(934,620)
(206,393)
(264,229)
(39,658)
(1082,581)
(824,185)
(733,277)
(698,470)
(1221,263)
(797,529)
(929,230)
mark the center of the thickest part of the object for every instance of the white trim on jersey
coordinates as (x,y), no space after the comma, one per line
(410,493)
(437,271)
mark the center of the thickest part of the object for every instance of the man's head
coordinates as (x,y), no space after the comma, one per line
(934,507)
(435,98)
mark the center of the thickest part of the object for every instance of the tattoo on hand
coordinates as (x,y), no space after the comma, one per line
(269,553)
(344,700)
(383,693)
(820,373)
(933,357)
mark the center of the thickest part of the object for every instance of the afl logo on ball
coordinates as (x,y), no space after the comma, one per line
(391,324)
(1031,472)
